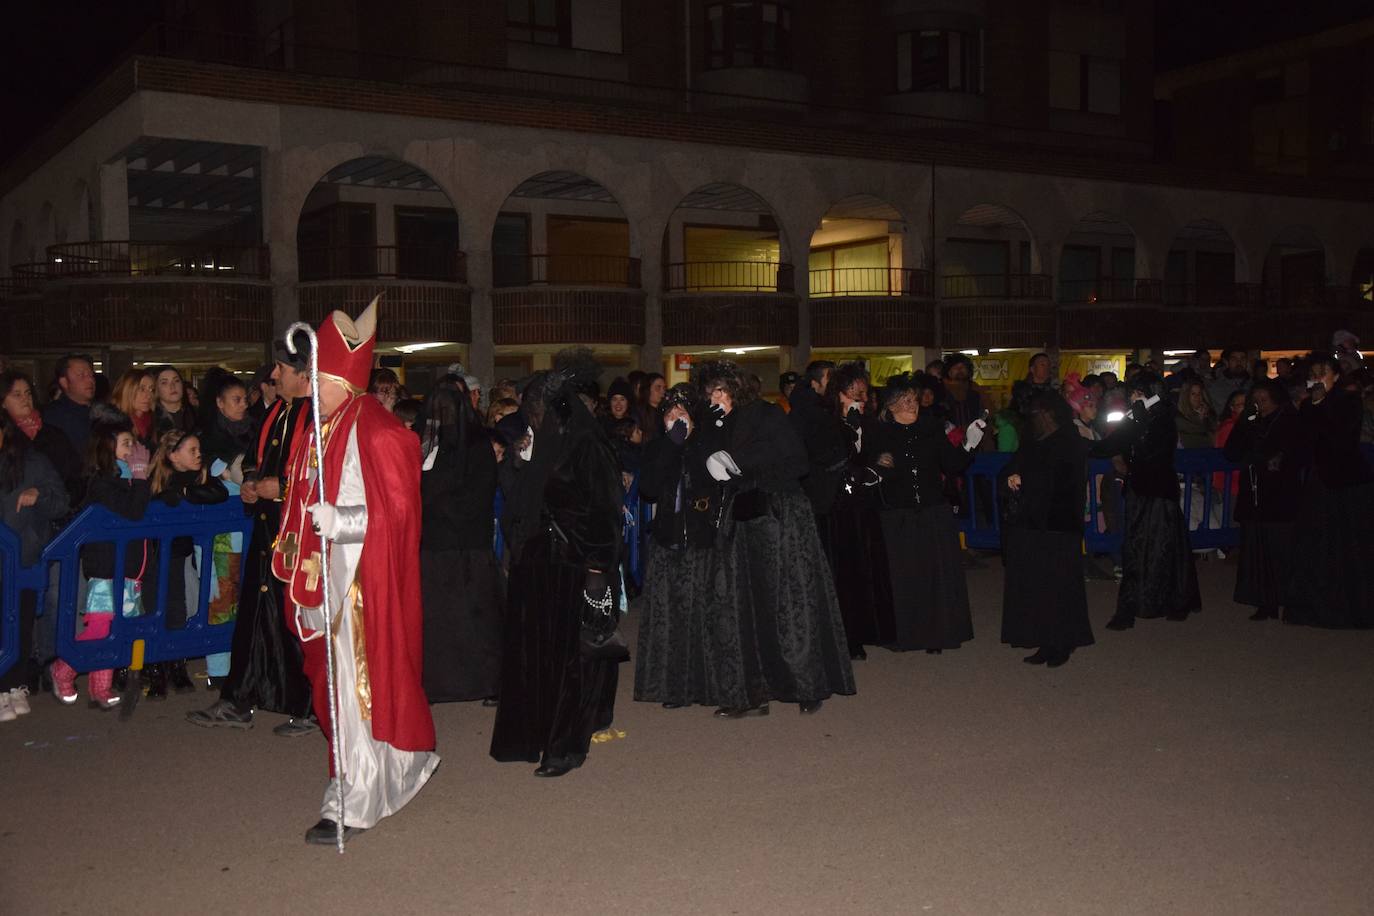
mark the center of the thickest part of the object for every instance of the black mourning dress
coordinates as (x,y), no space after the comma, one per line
(459,578)
(265,667)
(1159,578)
(1266,506)
(562,516)
(691,646)
(1333,562)
(1044,604)
(771,561)
(929,593)
(843,493)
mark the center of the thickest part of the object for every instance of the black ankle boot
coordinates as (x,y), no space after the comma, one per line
(155,681)
(179,680)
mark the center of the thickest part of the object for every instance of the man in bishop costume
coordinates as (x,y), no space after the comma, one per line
(370,523)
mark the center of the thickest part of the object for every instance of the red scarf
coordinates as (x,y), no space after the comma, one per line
(143,426)
(31,424)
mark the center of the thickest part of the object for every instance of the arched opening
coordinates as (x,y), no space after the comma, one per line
(859,250)
(1200,269)
(1362,278)
(725,238)
(990,253)
(375,218)
(1097,263)
(1295,270)
(562,229)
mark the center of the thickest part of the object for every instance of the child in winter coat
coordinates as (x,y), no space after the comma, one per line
(122,488)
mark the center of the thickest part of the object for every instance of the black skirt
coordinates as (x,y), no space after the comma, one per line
(929,592)
(691,646)
(553,698)
(786,603)
(462,624)
(852,537)
(1266,564)
(1044,603)
(1333,558)
(266,670)
(1158,575)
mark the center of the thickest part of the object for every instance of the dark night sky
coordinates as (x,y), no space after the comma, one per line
(51,51)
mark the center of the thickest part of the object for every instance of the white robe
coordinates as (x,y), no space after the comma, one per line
(378,779)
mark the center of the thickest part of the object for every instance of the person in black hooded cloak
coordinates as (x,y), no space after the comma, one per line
(562,523)
(459,578)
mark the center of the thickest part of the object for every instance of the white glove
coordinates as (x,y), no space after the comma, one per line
(527,452)
(974,434)
(236,470)
(326,518)
(722,467)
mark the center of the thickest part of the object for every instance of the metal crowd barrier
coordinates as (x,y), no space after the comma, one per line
(137,639)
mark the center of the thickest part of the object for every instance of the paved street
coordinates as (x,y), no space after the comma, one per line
(1215,766)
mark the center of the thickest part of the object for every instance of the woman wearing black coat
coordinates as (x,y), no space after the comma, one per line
(914,456)
(1266,442)
(32,498)
(689,630)
(1044,604)
(1159,578)
(1333,562)
(459,578)
(843,492)
(770,560)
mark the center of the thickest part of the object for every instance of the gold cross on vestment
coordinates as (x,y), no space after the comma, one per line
(290,547)
(312,568)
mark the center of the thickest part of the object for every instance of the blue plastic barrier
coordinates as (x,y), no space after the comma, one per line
(160,524)
(15,578)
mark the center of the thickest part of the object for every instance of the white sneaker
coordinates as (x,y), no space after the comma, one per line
(7,713)
(19,699)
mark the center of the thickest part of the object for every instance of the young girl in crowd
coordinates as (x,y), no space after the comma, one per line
(113,482)
(178,474)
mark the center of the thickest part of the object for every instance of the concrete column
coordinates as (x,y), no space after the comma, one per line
(920,356)
(114,202)
(482,351)
(386,222)
(651,351)
(280,214)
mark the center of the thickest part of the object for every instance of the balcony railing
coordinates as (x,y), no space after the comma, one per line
(1213,295)
(870,281)
(564,270)
(729,277)
(1108,290)
(996,286)
(440,263)
(161,259)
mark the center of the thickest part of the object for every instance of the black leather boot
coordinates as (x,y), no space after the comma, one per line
(180,681)
(155,681)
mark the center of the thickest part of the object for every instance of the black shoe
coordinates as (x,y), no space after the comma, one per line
(552,771)
(221,714)
(214,684)
(811,707)
(295,728)
(858,655)
(935,651)
(1178,617)
(489,702)
(1039,658)
(742,712)
(179,680)
(673,705)
(1120,623)
(325,833)
(155,681)
(1058,658)
(1265,613)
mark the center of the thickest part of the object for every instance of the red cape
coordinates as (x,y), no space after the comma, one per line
(389,569)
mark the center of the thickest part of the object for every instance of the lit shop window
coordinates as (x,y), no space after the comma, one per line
(748,33)
(934,61)
(1081,82)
